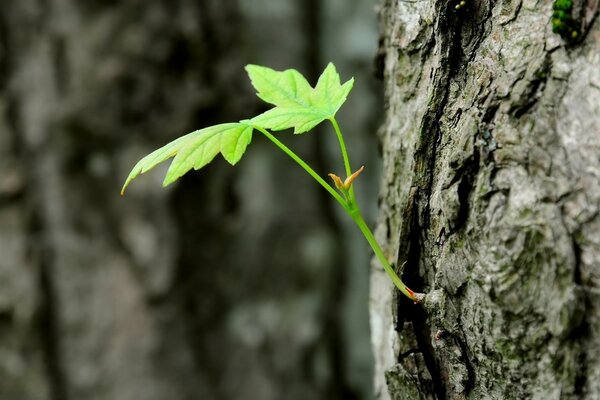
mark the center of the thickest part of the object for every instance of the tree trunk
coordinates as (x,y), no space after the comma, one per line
(490,202)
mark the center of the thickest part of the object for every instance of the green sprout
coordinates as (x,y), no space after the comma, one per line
(297,105)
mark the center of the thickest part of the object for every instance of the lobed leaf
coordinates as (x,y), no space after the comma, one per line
(281,88)
(280,118)
(329,94)
(195,150)
(298,105)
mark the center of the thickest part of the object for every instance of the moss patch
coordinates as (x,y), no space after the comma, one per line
(563,22)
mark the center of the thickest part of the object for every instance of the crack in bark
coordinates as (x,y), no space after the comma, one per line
(582,332)
(471,377)
(418,317)
(531,96)
(418,206)
(588,11)
(465,189)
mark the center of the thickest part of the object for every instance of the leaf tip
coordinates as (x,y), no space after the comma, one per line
(250,67)
(132,175)
(167,181)
(348,85)
(171,176)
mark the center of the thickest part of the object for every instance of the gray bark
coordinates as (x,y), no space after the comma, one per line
(228,285)
(490,195)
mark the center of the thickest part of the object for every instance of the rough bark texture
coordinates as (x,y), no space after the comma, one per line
(229,285)
(490,195)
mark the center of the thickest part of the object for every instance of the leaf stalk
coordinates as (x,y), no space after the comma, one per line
(348,203)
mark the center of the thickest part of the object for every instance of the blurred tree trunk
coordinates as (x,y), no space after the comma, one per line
(226,286)
(491,195)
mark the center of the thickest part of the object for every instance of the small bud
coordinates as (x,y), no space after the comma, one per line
(337,180)
(351,178)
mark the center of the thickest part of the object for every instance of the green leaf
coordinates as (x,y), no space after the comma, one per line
(281,88)
(329,94)
(302,119)
(298,105)
(195,150)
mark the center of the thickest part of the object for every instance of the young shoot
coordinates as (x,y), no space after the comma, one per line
(297,105)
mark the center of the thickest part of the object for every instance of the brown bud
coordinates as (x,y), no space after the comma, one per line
(351,178)
(337,180)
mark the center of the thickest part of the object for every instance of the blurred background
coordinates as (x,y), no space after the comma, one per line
(234,283)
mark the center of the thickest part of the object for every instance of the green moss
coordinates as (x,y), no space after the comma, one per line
(563,22)
(565,5)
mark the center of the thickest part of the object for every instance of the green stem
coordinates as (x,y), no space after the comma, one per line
(362,225)
(347,166)
(348,204)
(340,137)
(305,166)
(355,214)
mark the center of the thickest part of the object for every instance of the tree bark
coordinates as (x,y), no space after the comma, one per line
(490,201)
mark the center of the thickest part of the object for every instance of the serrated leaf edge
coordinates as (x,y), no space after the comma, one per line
(173,148)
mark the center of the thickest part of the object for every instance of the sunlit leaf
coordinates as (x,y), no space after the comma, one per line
(298,105)
(281,88)
(195,150)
